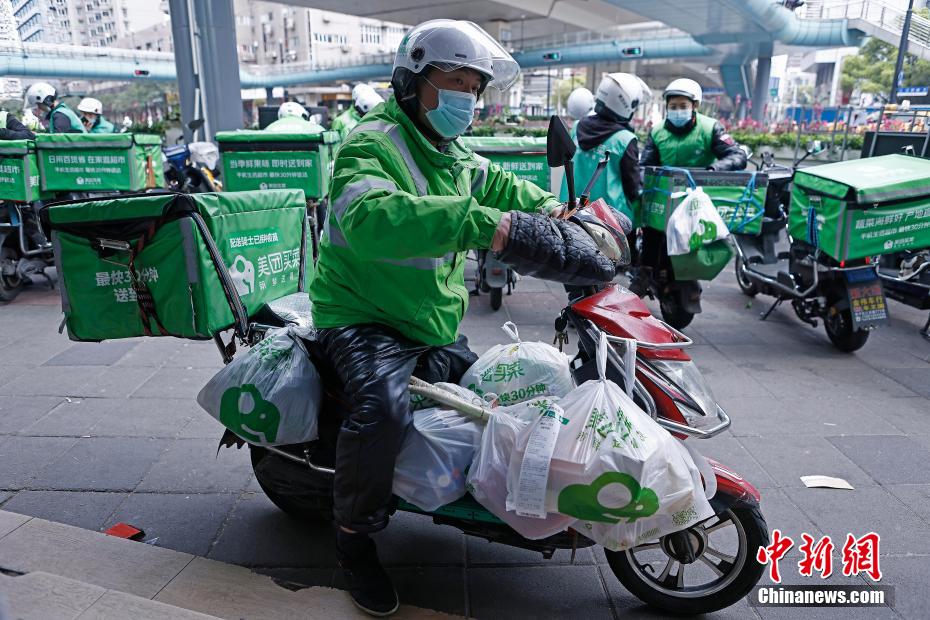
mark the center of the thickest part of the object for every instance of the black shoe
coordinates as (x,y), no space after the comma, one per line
(366,580)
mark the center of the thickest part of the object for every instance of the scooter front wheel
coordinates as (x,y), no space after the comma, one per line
(497,298)
(749,288)
(673,311)
(700,570)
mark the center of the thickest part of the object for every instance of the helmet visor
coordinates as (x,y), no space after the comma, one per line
(451,44)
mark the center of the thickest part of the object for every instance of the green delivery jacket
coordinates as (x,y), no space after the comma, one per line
(346,122)
(402,215)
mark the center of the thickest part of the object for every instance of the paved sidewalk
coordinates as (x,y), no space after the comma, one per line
(93,434)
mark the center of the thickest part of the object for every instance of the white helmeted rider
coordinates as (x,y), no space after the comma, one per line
(60,118)
(580,103)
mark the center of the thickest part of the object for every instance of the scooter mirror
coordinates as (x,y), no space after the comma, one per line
(195,124)
(559,145)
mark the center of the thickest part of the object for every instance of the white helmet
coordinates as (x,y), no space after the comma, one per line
(292,109)
(621,93)
(580,103)
(89,104)
(367,99)
(41,93)
(684,87)
(449,44)
(360,88)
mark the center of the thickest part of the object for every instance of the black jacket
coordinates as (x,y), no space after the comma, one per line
(726,150)
(15,130)
(593,131)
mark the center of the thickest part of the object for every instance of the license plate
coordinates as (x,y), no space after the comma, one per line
(867,303)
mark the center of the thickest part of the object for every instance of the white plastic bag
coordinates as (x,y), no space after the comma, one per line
(436,452)
(625,478)
(520,371)
(487,478)
(695,222)
(271,395)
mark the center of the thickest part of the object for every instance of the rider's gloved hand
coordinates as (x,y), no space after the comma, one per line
(558,250)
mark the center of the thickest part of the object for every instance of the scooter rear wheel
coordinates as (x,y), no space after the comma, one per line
(309,495)
(715,579)
(10,285)
(839,327)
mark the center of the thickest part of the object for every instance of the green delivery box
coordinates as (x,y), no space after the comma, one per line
(100,162)
(184,265)
(525,157)
(19,172)
(863,207)
(268,160)
(738,196)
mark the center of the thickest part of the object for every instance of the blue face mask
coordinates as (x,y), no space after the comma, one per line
(454,114)
(679,118)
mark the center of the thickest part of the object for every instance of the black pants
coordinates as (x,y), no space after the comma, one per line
(375,363)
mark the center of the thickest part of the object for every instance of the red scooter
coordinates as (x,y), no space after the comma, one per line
(701,569)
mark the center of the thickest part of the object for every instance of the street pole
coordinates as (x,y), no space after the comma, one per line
(548,87)
(896,80)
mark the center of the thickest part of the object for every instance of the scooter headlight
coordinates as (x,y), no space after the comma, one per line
(687,377)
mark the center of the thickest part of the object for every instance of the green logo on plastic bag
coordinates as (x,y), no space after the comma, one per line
(581,501)
(708,234)
(247,414)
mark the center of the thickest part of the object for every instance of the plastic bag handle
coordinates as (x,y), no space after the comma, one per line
(602,357)
(511,330)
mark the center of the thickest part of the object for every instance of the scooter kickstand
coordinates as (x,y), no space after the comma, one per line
(771,309)
(925,332)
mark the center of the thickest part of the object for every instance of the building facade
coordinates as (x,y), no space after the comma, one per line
(96,23)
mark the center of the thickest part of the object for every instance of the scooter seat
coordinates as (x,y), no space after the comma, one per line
(293,309)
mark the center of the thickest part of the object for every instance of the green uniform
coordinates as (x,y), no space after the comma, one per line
(345,122)
(75,120)
(692,150)
(402,215)
(294,124)
(609,185)
(102,125)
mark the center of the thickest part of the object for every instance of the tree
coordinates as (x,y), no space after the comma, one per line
(872,69)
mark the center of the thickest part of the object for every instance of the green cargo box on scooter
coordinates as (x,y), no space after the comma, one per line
(99,162)
(864,207)
(19,171)
(184,265)
(258,160)
(738,196)
(525,157)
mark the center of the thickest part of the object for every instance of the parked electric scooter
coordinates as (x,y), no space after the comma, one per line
(818,286)
(192,168)
(492,276)
(21,253)
(906,275)
(704,568)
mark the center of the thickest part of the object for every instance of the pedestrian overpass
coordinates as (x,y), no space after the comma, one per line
(730,34)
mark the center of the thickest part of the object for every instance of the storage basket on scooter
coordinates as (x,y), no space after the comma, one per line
(19,171)
(184,265)
(525,157)
(100,162)
(267,160)
(738,196)
(865,207)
